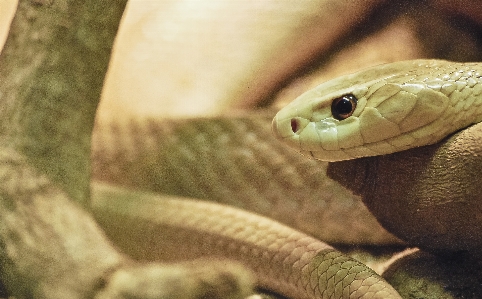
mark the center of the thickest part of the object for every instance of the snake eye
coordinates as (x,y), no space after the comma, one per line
(343,107)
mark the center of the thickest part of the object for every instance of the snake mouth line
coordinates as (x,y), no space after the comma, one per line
(408,139)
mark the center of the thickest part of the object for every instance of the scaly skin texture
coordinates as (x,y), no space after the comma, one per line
(436,188)
(444,212)
(422,103)
(284,260)
(236,161)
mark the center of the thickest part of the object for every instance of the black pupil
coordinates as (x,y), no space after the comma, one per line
(343,106)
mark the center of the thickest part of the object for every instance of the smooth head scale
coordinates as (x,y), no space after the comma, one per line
(396,106)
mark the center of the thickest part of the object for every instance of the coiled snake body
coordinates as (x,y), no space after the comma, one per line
(290,263)
(53,248)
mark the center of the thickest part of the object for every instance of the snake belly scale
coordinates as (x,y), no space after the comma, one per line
(399,106)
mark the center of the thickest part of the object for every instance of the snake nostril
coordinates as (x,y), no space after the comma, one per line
(294,125)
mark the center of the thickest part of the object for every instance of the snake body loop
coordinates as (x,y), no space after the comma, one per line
(399,106)
(284,260)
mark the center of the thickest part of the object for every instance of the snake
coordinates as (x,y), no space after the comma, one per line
(382,110)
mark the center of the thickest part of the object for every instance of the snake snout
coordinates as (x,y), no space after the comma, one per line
(283,128)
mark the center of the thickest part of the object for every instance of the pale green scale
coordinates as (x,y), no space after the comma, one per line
(448,88)
(456,97)
(356,152)
(370,118)
(328,134)
(403,141)
(471,82)
(343,134)
(381,147)
(469,103)
(310,132)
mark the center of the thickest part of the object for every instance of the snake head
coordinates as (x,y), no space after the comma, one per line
(309,125)
(380,110)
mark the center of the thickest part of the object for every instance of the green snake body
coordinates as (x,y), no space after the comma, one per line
(399,106)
